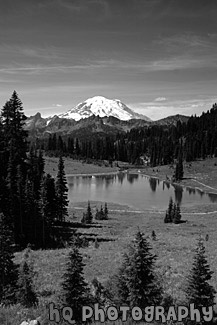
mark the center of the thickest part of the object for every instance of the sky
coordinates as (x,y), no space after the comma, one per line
(159,57)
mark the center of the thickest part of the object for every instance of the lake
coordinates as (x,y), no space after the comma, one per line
(135,190)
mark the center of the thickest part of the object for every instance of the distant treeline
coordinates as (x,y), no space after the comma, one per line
(157,144)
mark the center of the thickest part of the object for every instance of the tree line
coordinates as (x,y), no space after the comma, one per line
(161,144)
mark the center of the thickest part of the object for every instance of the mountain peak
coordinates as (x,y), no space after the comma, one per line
(101,106)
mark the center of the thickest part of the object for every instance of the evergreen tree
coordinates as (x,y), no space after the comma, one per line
(198,289)
(153,235)
(75,292)
(26,294)
(33,216)
(88,216)
(177,215)
(13,120)
(139,284)
(61,192)
(8,270)
(169,212)
(49,199)
(173,214)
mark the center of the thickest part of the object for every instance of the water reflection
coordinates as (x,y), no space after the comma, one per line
(213,197)
(134,189)
(132,177)
(153,183)
(178,191)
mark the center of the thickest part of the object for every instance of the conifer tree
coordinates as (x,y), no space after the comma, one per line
(13,120)
(88,216)
(49,199)
(139,284)
(75,292)
(153,235)
(198,289)
(61,192)
(26,294)
(169,212)
(8,270)
(177,214)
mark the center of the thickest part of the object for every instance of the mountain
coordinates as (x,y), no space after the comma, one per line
(97,115)
(101,106)
(172,120)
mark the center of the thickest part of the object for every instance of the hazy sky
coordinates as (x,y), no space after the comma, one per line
(157,56)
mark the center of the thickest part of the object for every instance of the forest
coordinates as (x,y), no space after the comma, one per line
(159,145)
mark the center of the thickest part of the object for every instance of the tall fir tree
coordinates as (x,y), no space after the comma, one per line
(49,201)
(198,289)
(139,283)
(13,121)
(177,214)
(75,292)
(8,270)
(88,216)
(61,192)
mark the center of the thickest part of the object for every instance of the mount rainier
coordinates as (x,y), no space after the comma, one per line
(102,107)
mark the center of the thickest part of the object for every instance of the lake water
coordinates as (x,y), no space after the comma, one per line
(135,190)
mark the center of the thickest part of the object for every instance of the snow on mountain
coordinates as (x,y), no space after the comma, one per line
(102,106)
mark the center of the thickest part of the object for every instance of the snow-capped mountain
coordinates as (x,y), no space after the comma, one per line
(102,106)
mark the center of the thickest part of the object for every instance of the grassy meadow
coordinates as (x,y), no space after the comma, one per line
(174,244)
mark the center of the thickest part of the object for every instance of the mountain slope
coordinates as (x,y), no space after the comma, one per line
(172,120)
(101,106)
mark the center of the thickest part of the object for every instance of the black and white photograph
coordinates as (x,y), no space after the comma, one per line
(108,162)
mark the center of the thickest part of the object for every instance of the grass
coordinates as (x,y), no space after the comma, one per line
(77,167)
(195,173)
(174,246)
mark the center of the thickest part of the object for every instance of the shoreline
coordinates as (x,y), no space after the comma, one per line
(95,174)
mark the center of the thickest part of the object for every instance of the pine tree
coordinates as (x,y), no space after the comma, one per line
(88,216)
(49,199)
(26,294)
(49,208)
(8,270)
(139,284)
(198,289)
(13,120)
(75,292)
(173,214)
(61,192)
(169,212)
(177,214)
(153,235)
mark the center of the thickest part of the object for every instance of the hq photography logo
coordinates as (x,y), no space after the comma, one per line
(149,314)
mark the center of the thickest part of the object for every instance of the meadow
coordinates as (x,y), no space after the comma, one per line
(174,245)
